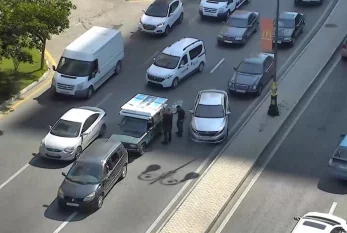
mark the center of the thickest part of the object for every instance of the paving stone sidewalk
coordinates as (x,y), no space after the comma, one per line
(221,180)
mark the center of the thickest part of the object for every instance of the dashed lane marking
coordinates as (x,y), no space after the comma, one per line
(333,207)
(218,64)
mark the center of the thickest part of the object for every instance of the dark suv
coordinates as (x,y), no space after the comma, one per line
(93,175)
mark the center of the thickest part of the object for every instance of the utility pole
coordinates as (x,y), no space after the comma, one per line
(273,108)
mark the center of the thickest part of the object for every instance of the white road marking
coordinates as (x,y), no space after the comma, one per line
(273,152)
(333,207)
(14,176)
(218,64)
(192,20)
(150,59)
(104,99)
(66,222)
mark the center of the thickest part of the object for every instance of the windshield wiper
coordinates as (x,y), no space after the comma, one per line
(75,181)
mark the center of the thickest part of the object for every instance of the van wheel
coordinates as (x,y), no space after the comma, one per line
(201,67)
(180,20)
(118,68)
(142,148)
(102,131)
(175,83)
(90,93)
(124,172)
(228,14)
(99,202)
(78,153)
(167,31)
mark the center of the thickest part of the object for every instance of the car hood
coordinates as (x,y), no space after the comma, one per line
(145,19)
(285,32)
(213,4)
(52,141)
(208,124)
(232,31)
(126,138)
(76,190)
(159,71)
(245,79)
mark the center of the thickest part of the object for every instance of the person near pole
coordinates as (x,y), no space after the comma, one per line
(180,119)
(167,125)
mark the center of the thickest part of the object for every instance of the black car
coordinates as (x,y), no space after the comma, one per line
(290,26)
(252,74)
(308,2)
(93,175)
(239,27)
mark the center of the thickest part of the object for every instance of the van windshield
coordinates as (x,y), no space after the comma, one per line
(133,127)
(73,67)
(167,61)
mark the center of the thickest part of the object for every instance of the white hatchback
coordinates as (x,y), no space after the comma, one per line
(315,222)
(73,132)
(161,16)
(177,62)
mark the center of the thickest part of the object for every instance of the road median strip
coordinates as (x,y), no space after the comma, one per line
(223,177)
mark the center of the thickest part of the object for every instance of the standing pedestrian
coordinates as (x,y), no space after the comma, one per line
(167,125)
(180,119)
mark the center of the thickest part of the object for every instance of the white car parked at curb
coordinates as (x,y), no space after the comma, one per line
(73,132)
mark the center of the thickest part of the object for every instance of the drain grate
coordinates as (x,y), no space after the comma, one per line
(330,25)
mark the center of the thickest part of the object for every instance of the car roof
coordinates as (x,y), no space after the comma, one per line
(288,15)
(80,114)
(162,2)
(211,97)
(179,46)
(241,14)
(255,59)
(99,150)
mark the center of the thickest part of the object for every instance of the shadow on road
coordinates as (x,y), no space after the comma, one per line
(40,162)
(53,212)
(332,185)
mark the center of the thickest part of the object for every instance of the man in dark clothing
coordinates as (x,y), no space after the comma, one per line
(180,119)
(167,125)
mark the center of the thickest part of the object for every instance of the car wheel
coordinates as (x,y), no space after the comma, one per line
(201,67)
(102,131)
(118,68)
(167,31)
(142,148)
(175,83)
(245,40)
(100,201)
(124,172)
(180,20)
(260,90)
(293,42)
(90,93)
(228,14)
(78,152)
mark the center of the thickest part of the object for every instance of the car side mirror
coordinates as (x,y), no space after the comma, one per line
(235,68)
(54,68)
(191,111)
(63,174)
(297,218)
(83,134)
(143,10)
(228,113)
(154,59)
(50,127)
(150,128)
(171,14)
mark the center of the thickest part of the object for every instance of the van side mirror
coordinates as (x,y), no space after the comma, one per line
(84,134)
(235,68)
(63,174)
(191,111)
(228,113)
(143,10)
(50,127)
(154,58)
(54,68)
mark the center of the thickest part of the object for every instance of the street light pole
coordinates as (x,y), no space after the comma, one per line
(273,109)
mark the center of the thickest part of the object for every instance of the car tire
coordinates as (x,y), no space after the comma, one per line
(99,202)
(180,19)
(90,93)
(245,41)
(142,148)
(124,172)
(228,14)
(78,152)
(118,68)
(167,31)
(260,90)
(102,131)
(201,67)
(175,83)
(293,42)
(256,28)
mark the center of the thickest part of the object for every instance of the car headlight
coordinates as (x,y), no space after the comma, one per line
(287,38)
(140,22)
(43,143)
(69,149)
(79,86)
(238,38)
(330,162)
(132,146)
(60,193)
(220,35)
(254,87)
(89,197)
(222,9)
(201,7)
(169,76)
(220,131)
(193,129)
(160,25)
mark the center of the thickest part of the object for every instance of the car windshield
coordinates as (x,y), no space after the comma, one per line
(73,67)
(341,153)
(133,127)
(66,129)
(157,10)
(250,68)
(209,111)
(85,173)
(237,22)
(286,23)
(167,61)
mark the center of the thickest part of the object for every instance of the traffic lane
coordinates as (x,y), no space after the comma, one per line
(296,179)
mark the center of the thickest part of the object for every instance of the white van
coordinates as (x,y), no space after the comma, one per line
(88,62)
(177,62)
(219,8)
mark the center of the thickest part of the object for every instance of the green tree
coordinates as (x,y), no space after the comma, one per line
(42,18)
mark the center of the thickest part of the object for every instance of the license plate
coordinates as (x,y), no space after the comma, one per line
(241,91)
(209,14)
(228,41)
(279,42)
(64,92)
(72,204)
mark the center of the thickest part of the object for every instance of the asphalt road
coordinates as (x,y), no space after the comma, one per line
(29,199)
(296,180)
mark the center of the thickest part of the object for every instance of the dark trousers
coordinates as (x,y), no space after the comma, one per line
(167,135)
(179,127)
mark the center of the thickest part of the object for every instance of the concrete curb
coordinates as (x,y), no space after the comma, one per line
(6,105)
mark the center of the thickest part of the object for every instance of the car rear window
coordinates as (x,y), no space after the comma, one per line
(314,225)
(237,22)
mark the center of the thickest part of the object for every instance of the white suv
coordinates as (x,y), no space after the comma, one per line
(176,62)
(161,16)
(220,8)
